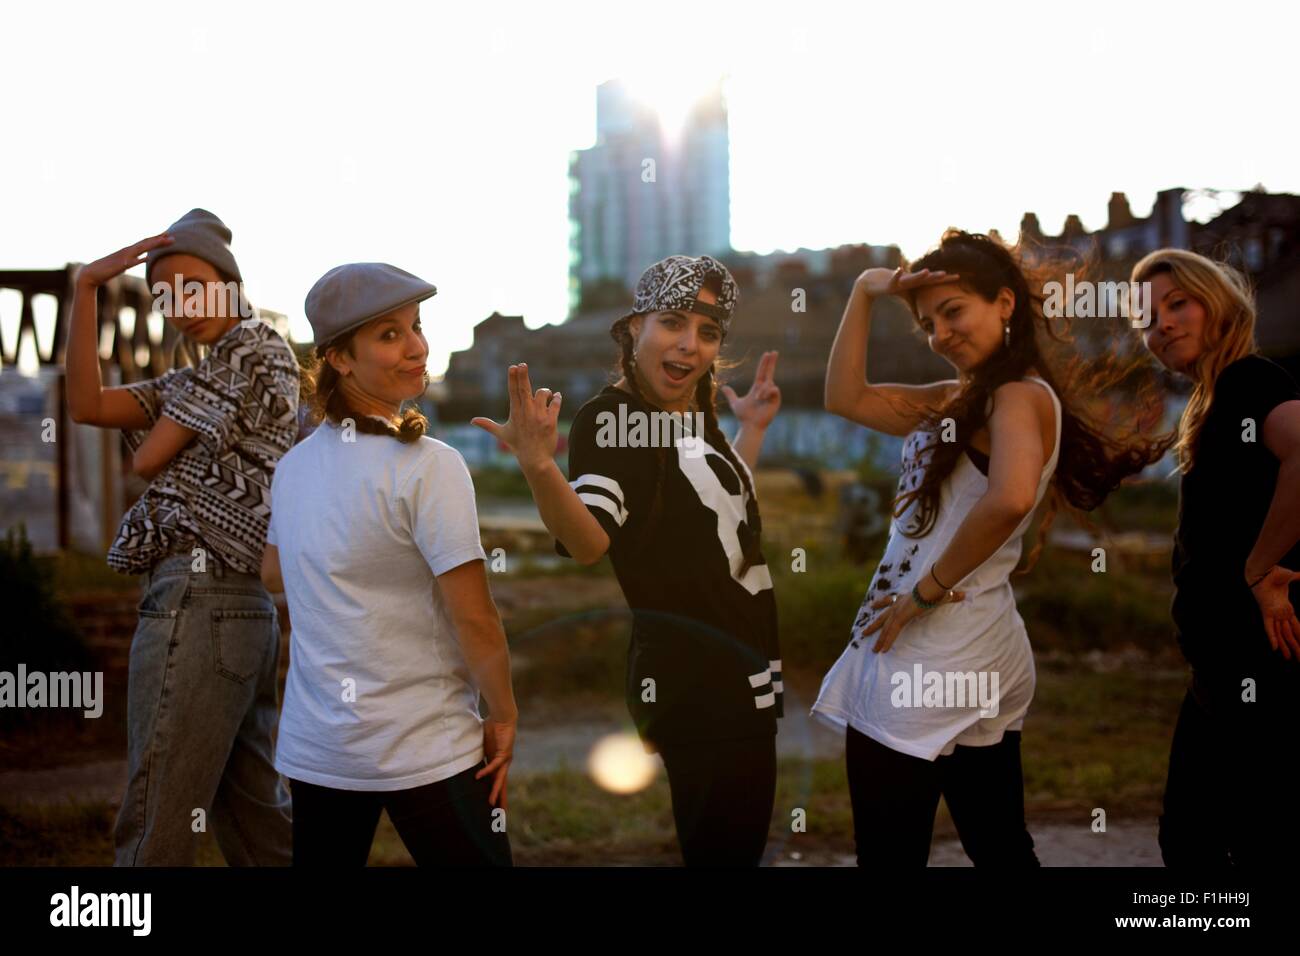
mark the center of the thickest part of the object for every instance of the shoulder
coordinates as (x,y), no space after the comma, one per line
(426,456)
(1025,394)
(435,448)
(1254,371)
(258,335)
(302,458)
(606,402)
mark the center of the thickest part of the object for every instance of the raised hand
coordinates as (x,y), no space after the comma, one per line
(96,273)
(762,401)
(531,431)
(880,281)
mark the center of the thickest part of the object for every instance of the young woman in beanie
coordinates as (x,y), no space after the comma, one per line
(1236,561)
(202,690)
(374,539)
(680,521)
(981,452)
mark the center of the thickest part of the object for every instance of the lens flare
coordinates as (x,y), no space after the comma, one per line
(619,763)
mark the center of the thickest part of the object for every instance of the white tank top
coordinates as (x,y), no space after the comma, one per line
(962,673)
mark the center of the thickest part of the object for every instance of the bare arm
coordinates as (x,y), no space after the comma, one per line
(530,433)
(1016,463)
(480,634)
(1281,530)
(755,411)
(1270,582)
(89,402)
(166,440)
(748,444)
(564,513)
(483,642)
(892,409)
(1015,466)
(271,576)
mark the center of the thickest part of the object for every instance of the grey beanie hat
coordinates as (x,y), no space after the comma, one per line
(351,295)
(201,234)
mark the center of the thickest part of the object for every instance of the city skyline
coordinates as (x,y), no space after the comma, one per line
(341,139)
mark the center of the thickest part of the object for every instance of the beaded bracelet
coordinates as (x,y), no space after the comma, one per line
(922,603)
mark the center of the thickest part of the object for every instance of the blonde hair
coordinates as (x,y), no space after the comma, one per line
(1229,332)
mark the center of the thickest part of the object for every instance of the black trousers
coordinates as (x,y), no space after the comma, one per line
(447,823)
(895,796)
(723,794)
(1230,795)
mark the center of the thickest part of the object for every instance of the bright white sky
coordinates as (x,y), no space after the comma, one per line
(437,137)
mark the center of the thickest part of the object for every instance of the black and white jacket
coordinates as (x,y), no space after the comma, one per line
(704,661)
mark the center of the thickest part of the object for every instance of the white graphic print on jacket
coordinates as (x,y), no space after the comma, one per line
(722,492)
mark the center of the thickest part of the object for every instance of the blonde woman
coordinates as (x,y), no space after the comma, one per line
(1236,559)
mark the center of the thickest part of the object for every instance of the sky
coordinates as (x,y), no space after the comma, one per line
(437,137)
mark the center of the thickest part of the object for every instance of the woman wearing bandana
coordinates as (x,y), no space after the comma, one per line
(680,522)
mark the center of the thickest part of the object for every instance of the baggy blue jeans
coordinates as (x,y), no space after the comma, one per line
(201,711)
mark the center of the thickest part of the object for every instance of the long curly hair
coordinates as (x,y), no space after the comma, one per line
(1229,332)
(1098,451)
(705,401)
(322,392)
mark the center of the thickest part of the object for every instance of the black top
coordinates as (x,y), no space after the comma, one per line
(1222,503)
(705,638)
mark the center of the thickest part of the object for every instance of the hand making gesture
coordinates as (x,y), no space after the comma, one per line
(762,401)
(531,430)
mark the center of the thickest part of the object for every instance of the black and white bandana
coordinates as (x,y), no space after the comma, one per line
(675,282)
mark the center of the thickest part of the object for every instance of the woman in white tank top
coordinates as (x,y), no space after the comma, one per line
(938,674)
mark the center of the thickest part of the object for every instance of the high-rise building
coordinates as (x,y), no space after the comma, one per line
(643,192)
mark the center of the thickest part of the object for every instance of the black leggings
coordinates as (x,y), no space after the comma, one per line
(446,823)
(895,796)
(723,793)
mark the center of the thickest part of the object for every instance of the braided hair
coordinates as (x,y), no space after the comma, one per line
(322,389)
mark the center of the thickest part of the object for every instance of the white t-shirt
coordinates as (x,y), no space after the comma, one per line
(960,674)
(378,695)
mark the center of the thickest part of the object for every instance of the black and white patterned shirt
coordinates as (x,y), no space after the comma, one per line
(242,400)
(704,661)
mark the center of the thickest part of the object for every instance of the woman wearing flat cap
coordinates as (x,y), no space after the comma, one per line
(680,522)
(374,539)
(202,688)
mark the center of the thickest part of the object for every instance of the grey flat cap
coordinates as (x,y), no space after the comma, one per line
(351,295)
(201,234)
